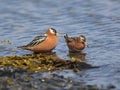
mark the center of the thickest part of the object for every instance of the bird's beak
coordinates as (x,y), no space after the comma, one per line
(86,44)
(59,35)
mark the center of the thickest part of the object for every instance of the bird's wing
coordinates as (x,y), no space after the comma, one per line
(37,40)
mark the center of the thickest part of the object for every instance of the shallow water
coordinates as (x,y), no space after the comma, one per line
(98,20)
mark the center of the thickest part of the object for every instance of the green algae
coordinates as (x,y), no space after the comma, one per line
(41,62)
(6,42)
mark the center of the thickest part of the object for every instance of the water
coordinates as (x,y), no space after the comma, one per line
(98,20)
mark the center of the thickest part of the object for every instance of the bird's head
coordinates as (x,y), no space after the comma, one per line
(52,31)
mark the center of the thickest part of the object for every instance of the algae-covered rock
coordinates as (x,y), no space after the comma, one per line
(42,62)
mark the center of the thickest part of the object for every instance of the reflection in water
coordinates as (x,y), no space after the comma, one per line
(78,55)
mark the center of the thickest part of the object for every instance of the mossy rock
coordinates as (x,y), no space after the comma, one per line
(41,62)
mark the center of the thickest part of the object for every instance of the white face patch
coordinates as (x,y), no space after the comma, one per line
(52,31)
(82,38)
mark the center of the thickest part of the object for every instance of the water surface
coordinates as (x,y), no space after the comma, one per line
(98,20)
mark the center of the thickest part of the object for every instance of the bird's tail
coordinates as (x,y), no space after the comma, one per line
(22,47)
(67,39)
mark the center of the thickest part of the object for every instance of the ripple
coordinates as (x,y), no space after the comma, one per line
(22,20)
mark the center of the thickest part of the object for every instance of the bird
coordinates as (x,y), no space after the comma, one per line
(44,42)
(76,44)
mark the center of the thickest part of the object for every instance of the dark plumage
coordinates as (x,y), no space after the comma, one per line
(37,40)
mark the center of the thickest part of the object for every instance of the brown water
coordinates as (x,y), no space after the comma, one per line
(98,20)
